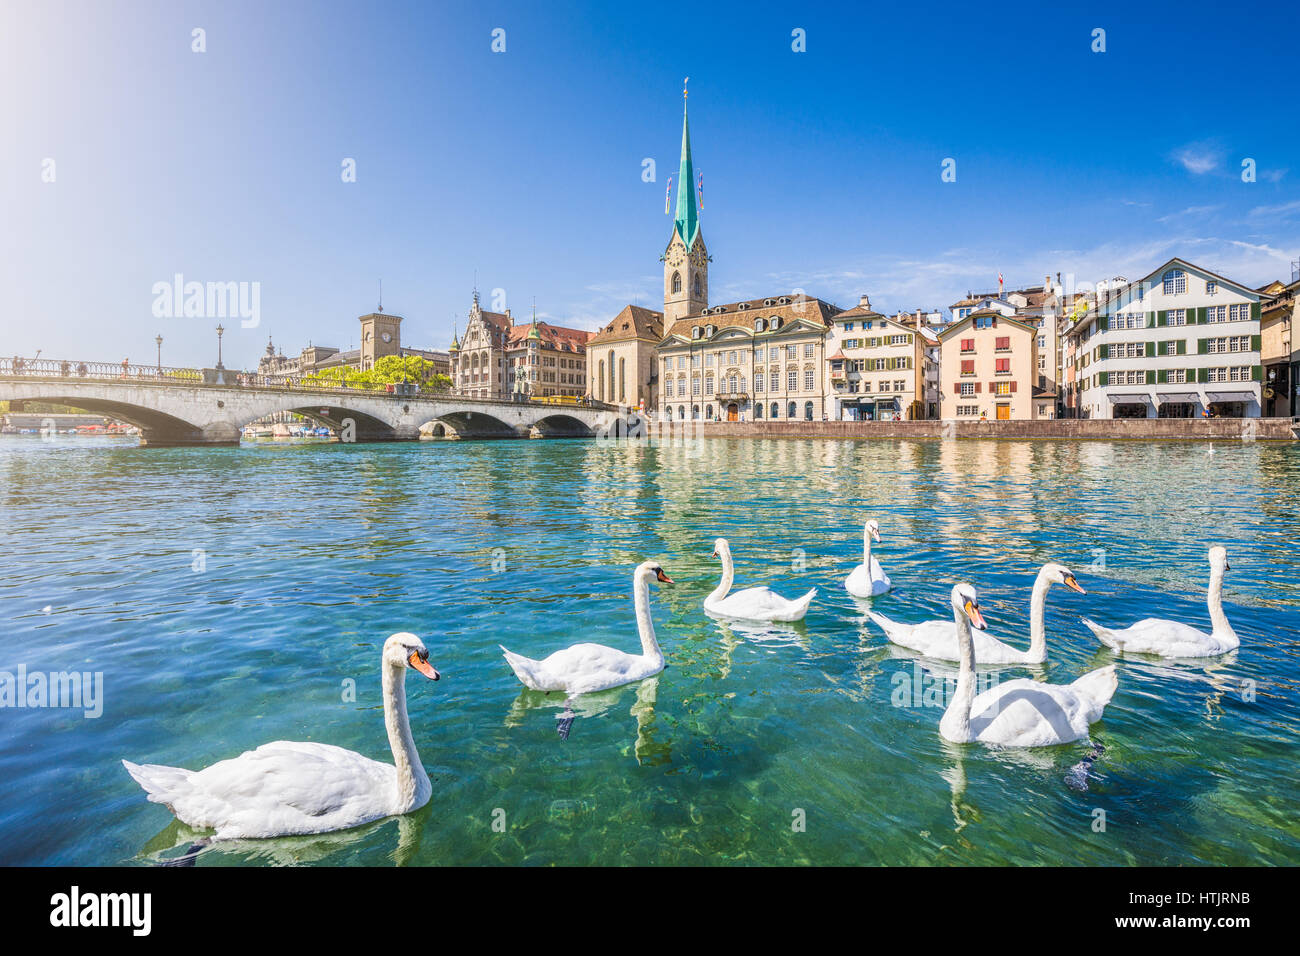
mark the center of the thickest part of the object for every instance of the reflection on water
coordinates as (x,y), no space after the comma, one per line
(313,554)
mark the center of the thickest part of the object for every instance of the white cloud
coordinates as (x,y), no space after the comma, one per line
(1198,158)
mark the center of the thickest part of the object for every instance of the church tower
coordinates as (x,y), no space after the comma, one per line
(686,260)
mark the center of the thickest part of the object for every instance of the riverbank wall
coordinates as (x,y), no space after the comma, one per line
(1066,429)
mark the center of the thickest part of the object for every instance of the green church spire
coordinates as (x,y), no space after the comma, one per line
(687,223)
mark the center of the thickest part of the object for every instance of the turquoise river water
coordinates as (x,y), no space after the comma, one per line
(230,597)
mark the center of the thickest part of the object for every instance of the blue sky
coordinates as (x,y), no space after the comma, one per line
(822,168)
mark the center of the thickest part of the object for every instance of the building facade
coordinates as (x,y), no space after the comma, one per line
(1182,342)
(1279,350)
(621,366)
(876,367)
(988,367)
(545,361)
(381,336)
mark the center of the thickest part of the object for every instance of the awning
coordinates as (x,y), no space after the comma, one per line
(1176,397)
(1129,397)
(1230,396)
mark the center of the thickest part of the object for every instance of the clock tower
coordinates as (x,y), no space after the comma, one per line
(381,335)
(686,260)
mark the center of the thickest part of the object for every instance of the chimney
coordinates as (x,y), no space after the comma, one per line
(864,302)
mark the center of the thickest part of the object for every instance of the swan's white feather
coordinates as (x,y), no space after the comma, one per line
(1027,713)
(582,669)
(760,604)
(1155,635)
(938,640)
(860,583)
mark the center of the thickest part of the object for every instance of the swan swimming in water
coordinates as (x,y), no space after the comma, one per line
(1154,635)
(868,578)
(1018,713)
(287,788)
(586,668)
(938,639)
(751,604)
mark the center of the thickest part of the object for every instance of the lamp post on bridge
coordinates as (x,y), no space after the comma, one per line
(220,333)
(158,341)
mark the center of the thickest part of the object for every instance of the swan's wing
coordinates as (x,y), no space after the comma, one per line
(1155,635)
(1027,713)
(288,787)
(584,668)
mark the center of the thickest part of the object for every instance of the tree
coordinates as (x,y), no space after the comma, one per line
(388,370)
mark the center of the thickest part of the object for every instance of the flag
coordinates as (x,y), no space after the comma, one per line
(668,195)
(701,190)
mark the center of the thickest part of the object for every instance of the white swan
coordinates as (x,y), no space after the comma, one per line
(751,604)
(938,639)
(1018,713)
(1153,635)
(868,578)
(287,788)
(586,668)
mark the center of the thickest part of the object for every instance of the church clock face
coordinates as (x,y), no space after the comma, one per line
(675,257)
(388,336)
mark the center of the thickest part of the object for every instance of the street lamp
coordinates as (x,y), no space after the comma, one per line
(158,341)
(220,333)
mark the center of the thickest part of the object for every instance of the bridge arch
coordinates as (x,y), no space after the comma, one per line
(156,427)
(472,423)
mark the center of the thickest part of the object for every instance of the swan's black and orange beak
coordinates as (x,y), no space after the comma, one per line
(973,612)
(420,661)
(715,553)
(1074,585)
(659,573)
(875,535)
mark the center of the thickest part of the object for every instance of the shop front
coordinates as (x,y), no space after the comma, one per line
(1236,404)
(1176,404)
(1130,405)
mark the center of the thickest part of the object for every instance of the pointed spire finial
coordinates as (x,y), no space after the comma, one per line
(381,296)
(684,82)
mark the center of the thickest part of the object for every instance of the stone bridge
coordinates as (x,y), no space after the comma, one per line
(175,407)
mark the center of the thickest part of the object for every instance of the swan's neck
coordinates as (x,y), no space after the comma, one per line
(866,550)
(728,574)
(956,719)
(413,787)
(645,625)
(1215,602)
(1037,606)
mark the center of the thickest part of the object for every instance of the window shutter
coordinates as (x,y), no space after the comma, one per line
(1103,378)
(1103,323)
(1200,315)
(1202,375)
(1255,342)
(956,388)
(1180,347)
(1162,376)
(1151,376)
(1202,347)
(1162,317)
(1254,312)
(977,388)
(1104,350)
(1151,349)
(995,321)
(1013,386)
(1257,373)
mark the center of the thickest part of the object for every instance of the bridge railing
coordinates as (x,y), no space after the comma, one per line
(123,372)
(62,368)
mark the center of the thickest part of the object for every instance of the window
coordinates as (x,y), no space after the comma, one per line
(1211,287)
(708,385)
(866,386)
(968,367)
(1239,313)
(1175,282)
(677,282)
(708,360)
(792,351)
(775,382)
(1003,343)
(1002,366)
(968,410)
(983,322)
(695,385)
(695,360)
(808,350)
(758,410)
(791,410)
(776,410)
(1001,388)
(1177,317)
(697,285)
(968,345)
(1176,376)
(731,357)
(848,326)
(731,385)
(967,388)
(1120,350)
(807,411)
(792,380)
(708,412)
(1042,341)
(808,380)
(1216,313)
(774,354)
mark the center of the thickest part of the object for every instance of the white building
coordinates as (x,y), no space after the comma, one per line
(1181,342)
